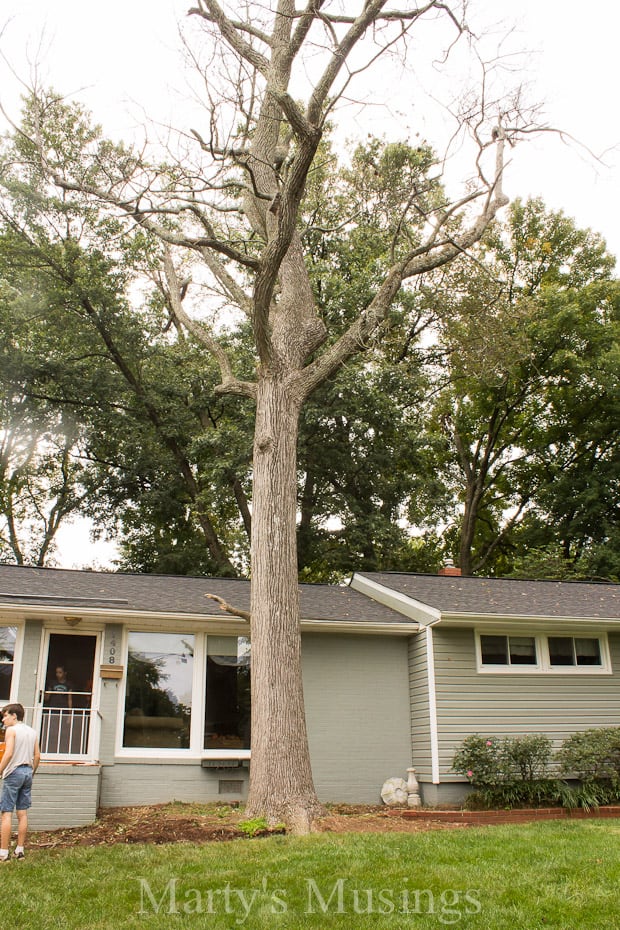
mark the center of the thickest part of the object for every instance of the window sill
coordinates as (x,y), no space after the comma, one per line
(535,670)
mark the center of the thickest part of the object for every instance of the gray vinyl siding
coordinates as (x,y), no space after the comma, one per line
(420,710)
(509,705)
(357,712)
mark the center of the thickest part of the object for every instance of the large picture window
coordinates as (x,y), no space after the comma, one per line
(158,702)
(8,635)
(227,711)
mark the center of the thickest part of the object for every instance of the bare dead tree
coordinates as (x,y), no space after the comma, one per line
(233,200)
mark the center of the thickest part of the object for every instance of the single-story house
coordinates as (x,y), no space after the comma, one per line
(139,684)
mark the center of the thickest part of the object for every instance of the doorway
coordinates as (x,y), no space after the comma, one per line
(66,698)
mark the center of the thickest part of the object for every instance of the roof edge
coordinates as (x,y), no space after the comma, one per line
(408,606)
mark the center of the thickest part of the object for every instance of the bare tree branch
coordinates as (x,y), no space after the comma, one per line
(230,383)
(229,609)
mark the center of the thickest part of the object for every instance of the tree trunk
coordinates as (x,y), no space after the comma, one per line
(473,495)
(281,785)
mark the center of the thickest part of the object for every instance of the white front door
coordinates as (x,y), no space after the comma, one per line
(66,711)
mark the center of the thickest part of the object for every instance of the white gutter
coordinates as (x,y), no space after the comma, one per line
(216,623)
(469,619)
(360,626)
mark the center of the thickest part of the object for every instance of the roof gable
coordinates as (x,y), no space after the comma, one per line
(503,597)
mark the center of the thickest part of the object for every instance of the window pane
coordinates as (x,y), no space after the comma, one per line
(522,650)
(227,716)
(588,652)
(561,650)
(159,690)
(8,635)
(494,650)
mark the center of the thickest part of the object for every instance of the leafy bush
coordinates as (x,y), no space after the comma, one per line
(544,792)
(592,756)
(526,757)
(491,761)
(509,771)
(258,826)
(479,758)
(513,771)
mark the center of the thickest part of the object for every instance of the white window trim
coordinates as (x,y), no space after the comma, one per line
(194,751)
(543,665)
(19,626)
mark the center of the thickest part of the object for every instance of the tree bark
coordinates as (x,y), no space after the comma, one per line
(281,786)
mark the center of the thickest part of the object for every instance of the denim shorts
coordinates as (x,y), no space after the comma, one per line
(17,790)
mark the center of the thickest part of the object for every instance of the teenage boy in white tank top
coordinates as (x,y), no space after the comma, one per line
(19,763)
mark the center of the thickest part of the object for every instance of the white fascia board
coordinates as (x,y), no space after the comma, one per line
(214,624)
(522,621)
(159,619)
(359,626)
(408,606)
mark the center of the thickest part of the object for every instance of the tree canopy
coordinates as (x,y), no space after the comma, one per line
(270,284)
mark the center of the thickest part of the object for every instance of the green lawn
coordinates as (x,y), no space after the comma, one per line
(563,875)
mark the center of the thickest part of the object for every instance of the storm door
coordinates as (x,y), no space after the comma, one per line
(66,695)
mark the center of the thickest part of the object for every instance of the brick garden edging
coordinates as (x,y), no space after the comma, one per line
(522,815)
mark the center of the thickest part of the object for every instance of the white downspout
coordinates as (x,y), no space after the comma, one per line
(432,705)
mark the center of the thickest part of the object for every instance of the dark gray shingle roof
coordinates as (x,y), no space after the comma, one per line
(505,597)
(172,594)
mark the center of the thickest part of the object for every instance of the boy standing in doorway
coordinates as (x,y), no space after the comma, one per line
(19,763)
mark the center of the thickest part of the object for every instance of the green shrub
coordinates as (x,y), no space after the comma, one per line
(511,772)
(543,792)
(526,757)
(592,756)
(480,759)
(491,761)
(258,826)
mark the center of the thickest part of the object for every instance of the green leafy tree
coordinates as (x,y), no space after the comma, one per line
(234,203)
(41,473)
(522,337)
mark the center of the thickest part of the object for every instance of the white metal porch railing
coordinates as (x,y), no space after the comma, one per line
(62,731)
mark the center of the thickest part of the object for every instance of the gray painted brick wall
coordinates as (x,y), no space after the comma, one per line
(357,711)
(64,796)
(152,782)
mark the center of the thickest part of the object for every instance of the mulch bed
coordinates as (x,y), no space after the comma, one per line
(193,823)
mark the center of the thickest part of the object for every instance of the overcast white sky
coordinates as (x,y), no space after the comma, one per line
(123,55)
